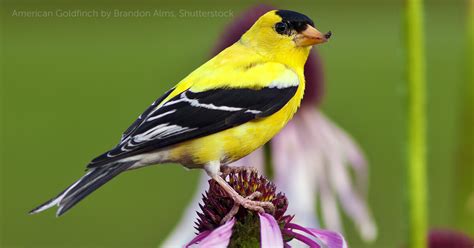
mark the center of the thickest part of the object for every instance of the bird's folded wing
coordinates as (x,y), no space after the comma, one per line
(193,114)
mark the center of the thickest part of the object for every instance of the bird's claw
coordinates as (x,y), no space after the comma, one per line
(248,203)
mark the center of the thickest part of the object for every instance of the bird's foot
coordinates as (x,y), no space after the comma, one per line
(257,206)
(248,203)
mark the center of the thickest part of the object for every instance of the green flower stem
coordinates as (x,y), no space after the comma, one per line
(246,233)
(416,124)
(465,163)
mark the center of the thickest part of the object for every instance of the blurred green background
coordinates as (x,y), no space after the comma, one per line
(70,86)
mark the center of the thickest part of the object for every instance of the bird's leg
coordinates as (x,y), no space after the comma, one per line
(213,170)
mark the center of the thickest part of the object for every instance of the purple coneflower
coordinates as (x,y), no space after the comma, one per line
(251,229)
(311,157)
(442,238)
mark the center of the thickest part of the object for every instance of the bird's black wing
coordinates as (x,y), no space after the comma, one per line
(143,116)
(191,115)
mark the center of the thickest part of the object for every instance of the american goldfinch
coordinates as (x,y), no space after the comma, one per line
(221,112)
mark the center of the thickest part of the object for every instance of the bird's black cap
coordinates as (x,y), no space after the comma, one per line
(297,21)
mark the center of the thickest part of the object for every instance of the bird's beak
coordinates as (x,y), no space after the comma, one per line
(311,36)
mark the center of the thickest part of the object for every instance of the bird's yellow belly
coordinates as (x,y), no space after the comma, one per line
(234,143)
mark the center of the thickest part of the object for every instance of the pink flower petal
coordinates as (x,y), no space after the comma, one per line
(308,241)
(294,174)
(198,238)
(300,228)
(327,238)
(331,239)
(351,200)
(219,237)
(347,147)
(270,232)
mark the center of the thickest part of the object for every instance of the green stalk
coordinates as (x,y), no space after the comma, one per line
(465,164)
(416,124)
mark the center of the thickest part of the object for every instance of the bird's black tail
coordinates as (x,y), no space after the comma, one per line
(93,179)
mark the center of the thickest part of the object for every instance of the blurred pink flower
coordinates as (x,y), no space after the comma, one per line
(312,158)
(272,230)
(443,238)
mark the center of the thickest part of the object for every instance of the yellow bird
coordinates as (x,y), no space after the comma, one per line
(221,112)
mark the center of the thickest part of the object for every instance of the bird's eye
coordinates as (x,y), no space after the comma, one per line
(281,28)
